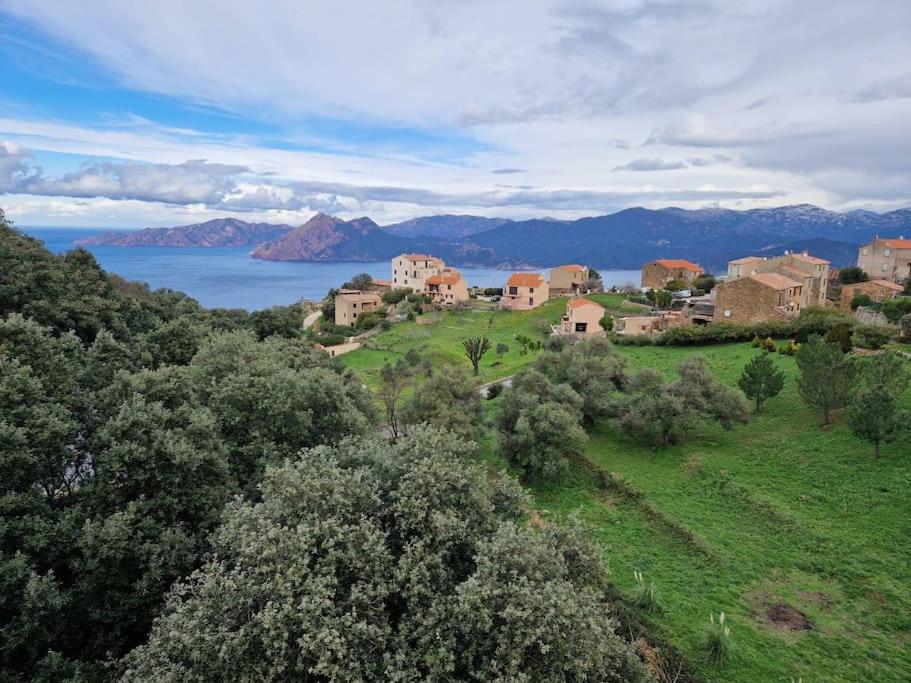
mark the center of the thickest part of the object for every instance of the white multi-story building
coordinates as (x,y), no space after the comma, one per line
(412,270)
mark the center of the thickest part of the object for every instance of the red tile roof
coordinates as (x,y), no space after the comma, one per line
(679,263)
(746,259)
(573,268)
(444,279)
(579,303)
(898,244)
(525,280)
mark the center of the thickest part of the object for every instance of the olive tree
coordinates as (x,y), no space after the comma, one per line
(387,561)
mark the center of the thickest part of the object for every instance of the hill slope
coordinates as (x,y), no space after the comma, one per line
(446,227)
(220,232)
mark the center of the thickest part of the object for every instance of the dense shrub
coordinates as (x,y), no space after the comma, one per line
(632,339)
(851,275)
(862,299)
(394,296)
(721,333)
(367,321)
(871,336)
(896,308)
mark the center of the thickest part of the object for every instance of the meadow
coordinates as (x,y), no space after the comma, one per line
(796,533)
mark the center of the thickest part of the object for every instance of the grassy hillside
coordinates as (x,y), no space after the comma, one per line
(771,516)
(797,534)
(438,336)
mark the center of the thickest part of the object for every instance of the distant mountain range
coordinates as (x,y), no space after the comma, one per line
(446,227)
(220,232)
(622,240)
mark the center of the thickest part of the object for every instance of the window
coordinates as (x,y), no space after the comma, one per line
(531,301)
(887,252)
(581,327)
(513,290)
(531,290)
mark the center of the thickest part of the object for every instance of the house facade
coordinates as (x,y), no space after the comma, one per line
(758,298)
(877,290)
(351,303)
(582,318)
(657,274)
(412,270)
(568,280)
(447,288)
(811,272)
(886,259)
(524,291)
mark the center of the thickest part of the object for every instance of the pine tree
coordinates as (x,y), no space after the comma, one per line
(874,416)
(826,376)
(761,380)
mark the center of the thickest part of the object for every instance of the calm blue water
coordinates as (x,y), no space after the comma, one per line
(220,277)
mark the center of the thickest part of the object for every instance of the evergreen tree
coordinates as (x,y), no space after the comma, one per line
(761,380)
(874,416)
(826,376)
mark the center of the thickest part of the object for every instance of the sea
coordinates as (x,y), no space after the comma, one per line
(226,277)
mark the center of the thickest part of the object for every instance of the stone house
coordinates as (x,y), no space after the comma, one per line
(448,288)
(412,270)
(524,291)
(758,298)
(887,259)
(811,272)
(568,280)
(657,274)
(877,290)
(582,318)
(637,325)
(350,303)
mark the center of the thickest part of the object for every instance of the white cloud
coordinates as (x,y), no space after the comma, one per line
(728,95)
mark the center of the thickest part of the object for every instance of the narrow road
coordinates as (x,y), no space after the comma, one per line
(505,381)
(312,318)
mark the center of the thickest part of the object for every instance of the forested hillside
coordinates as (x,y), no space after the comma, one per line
(211,470)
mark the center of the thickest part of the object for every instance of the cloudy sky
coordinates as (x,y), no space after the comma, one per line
(125,113)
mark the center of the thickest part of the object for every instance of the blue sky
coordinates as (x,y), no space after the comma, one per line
(121,113)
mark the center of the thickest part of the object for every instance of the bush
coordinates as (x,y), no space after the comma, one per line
(859,300)
(645,597)
(632,340)
(718,640)
(493,391)
(330,339)
(905,326)
(607,323)
(502,348)
(789,349)
(385,324)
(840,334)
(417,298)
(819,321)
(367,321)
(723,333)
(896,308)
(849,276)
(768,345)
(870,336)
(394,296)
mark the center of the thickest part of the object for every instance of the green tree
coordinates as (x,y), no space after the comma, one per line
(450,400)
(873,415)
(706,282)
(826,376)
(861,299)
(359,281)
(676,285)
(840,333)
(761,380)
(475,348)
(399,561)
(392,384)
(660,412)
(545,439)
(852,275)
(607,322)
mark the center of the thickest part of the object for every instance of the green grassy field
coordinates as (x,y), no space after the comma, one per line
(438,336)
(778,512)
(776,518)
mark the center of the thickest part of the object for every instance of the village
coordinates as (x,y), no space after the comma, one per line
(671,293)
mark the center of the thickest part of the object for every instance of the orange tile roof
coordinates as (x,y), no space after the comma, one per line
(679,263)
(525,280)
(444,279)
(812,259)
(572,268)
(887,285)
(775,281)
(579,303)
(746,259)
(898,244)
